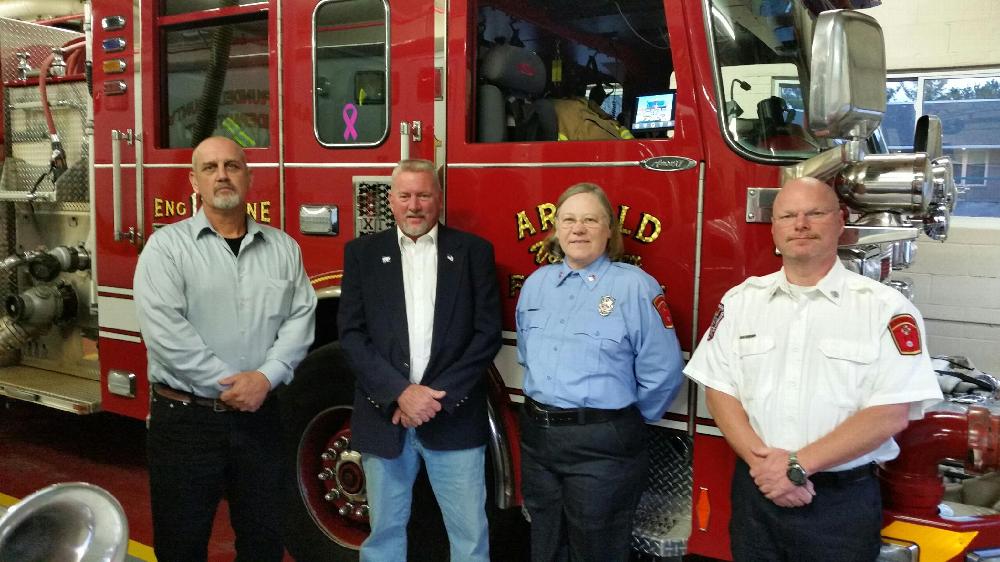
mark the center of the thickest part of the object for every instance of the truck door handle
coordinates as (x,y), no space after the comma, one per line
(404,140)
(409,132)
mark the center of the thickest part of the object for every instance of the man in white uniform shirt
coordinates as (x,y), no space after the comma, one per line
(419,321)
(809,372)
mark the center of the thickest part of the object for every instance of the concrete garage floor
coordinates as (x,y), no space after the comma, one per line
(40,446)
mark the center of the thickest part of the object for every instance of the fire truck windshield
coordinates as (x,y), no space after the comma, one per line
(764,76)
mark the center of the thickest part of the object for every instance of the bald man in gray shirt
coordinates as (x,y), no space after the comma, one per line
(227,313)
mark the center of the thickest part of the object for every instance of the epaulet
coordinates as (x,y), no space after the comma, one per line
(623,265)
(751,284)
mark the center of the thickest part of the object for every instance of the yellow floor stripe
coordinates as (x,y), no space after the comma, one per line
(7,501)
(141,551)
(135,549)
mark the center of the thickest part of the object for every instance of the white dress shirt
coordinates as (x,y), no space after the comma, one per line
(803,360)
(420,287)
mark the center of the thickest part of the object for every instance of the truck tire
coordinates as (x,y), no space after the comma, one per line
(321,393)
(316,414)
(316,411)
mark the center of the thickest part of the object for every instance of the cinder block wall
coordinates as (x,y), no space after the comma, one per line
(936,35)
(957,283)
(957,289)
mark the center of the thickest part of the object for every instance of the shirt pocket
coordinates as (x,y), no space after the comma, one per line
(841,377)
(532,323)
(276,300)
(756,357)
(599,346)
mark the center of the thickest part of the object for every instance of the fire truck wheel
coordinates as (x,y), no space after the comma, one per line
(318,400)
(327,513)
(326,507)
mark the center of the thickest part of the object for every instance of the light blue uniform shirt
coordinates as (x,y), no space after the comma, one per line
(574,356)
(206,314)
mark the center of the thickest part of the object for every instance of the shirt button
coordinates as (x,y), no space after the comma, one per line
(563,321)
(555,348)
(571,297)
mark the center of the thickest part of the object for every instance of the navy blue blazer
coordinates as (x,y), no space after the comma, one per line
(373,335)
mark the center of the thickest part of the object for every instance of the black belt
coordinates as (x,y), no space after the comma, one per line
(842,477)
(550,415)
(190,399)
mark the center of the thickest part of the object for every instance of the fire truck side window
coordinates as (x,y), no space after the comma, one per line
(564,70)
(350,72)
(174,7)
(216,83)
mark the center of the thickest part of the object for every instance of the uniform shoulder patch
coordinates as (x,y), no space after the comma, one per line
(660,304)
(905,334)
(716,320)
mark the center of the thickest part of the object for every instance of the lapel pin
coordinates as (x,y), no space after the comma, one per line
(386,259)
(591,277)
(450,257)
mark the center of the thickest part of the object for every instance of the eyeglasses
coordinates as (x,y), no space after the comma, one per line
(811,216)
(590,223)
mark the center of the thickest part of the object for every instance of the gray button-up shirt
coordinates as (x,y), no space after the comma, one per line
(206,314)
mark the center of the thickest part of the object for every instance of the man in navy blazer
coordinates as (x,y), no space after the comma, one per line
(419,322)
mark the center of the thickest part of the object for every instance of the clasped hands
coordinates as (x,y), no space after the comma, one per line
(769,471)
(245,391)
(417,405)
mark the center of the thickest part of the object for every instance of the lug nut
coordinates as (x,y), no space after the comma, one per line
(346,509)
(332,495)
(327,474)
(341,443)
(361,512)
(329,455)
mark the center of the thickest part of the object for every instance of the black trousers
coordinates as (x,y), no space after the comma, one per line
(196,458)
(581,484)
(842,522)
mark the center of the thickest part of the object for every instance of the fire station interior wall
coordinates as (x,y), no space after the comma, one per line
(956,283)
(930,34)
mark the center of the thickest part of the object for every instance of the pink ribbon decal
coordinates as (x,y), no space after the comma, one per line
(350,118)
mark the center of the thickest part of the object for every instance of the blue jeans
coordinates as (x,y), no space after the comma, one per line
(458,481)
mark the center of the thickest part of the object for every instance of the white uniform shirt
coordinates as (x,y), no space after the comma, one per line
(802,362)
(420,287)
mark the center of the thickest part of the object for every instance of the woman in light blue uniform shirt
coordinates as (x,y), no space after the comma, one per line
(599,352)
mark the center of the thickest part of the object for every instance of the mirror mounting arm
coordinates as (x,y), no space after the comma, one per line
(826,164)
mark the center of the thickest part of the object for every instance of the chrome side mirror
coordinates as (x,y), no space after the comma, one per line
(847,90)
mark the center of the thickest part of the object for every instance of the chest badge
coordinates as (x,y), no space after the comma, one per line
(606,305)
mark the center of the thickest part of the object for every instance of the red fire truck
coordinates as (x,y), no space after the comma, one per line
(711,105)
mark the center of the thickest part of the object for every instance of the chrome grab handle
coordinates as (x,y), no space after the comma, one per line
(133,234)
(138,239)
(116,178)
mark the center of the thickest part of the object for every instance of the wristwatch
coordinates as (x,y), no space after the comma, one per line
(795,472)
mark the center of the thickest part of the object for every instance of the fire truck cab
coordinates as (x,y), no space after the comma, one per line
(690,113)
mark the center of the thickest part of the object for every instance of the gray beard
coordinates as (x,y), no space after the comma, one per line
(226,202)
